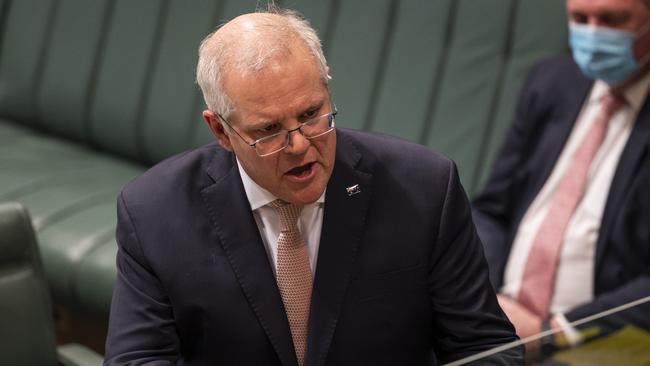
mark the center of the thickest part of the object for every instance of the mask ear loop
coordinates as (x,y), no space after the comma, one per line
(641,32)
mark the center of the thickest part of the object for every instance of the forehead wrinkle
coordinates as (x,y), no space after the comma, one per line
(258,118)
(284,96)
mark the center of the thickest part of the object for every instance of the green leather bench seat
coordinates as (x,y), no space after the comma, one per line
(92,92)
(70,192)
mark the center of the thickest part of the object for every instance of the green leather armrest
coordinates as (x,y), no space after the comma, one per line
(74,354)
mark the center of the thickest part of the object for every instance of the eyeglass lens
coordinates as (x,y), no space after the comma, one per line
(310,129)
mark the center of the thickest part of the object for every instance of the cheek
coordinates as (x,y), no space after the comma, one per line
(266,176)
(326,149)
(330,152)
(260,169)
(269,169)
(642,46)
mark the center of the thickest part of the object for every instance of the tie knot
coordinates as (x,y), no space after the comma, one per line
(612,102)
(288,213)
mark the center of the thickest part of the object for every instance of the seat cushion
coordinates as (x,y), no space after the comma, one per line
(71,193)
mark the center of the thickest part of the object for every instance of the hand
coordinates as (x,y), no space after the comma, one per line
(526,323)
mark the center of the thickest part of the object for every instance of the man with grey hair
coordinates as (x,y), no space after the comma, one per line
(290,242)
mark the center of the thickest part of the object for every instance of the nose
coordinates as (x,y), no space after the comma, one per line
(298,143)
(594,21)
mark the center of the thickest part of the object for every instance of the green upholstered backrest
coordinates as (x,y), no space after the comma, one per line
(23,44)
(118,75)
(26,325)
(538,29)
(447,72)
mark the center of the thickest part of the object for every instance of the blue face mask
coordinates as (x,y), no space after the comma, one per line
(604,53)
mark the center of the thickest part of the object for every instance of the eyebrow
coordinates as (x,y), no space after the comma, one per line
(600,14)
(258,125)
(313,106)
(316,105)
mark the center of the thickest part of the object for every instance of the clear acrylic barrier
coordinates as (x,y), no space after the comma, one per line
(618,336)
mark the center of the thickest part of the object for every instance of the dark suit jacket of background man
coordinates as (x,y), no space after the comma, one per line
(549,104)
(400,270)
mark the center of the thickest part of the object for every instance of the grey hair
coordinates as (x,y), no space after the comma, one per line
(250,50)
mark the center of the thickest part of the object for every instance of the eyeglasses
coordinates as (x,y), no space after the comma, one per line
(276,142)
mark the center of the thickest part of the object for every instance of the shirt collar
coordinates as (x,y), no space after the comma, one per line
(258,196)
(634,95)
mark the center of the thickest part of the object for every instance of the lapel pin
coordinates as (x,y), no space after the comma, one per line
(352,190)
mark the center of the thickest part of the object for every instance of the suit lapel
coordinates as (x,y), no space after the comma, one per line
(557,131)
(627,168)
(343,224)
(239,236)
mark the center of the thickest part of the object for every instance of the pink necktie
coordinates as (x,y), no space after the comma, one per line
(294,275)
(539,273)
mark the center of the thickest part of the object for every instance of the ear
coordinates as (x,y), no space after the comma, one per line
(329,74)
(214,124)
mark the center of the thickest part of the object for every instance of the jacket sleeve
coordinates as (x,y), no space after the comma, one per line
(467,317)
(141,326)
(639,315)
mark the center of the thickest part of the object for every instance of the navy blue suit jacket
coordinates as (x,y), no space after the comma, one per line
(400,279)
(548,107)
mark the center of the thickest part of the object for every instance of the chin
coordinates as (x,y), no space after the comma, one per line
(303,200)
(306,197)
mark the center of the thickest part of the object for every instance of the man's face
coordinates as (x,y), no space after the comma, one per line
(285,93)
(627,15)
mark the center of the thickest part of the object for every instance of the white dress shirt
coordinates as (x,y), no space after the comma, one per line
(310,222)
(575,272)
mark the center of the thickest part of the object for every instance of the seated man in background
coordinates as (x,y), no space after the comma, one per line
(291,242)
(565,214)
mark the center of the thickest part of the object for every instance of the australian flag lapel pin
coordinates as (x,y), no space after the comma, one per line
(352,190)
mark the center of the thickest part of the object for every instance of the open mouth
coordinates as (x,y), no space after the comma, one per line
(301,171)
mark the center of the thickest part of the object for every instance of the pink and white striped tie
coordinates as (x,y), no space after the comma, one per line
(539,273)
